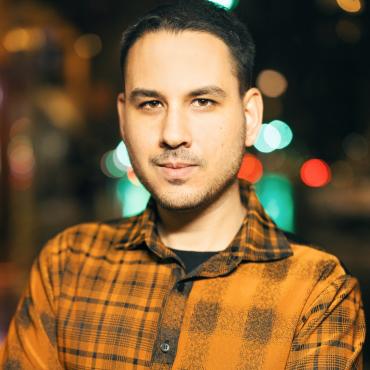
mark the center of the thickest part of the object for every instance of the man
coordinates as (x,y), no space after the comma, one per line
(203,279)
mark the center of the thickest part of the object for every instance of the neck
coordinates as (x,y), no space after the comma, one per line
(209,229)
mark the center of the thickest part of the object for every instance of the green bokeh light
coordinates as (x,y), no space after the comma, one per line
(276,195)
(228,4)
(133,198)
(111,167)
(286,134)
(261,144)
(274,135)
(121,154)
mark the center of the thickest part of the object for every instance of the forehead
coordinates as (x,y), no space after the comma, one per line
(179,60)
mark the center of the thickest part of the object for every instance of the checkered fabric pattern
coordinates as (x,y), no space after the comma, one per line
(113,296)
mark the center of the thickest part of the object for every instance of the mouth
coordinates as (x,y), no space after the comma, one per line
(176,165)
(175,171)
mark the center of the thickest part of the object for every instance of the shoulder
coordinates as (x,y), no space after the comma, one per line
(86,246)
(92,238)
(328,280)
(316,259)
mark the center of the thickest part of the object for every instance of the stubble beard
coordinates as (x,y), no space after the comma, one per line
(181,199)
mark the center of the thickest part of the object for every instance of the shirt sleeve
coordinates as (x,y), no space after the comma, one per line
(31,339)
(331,332)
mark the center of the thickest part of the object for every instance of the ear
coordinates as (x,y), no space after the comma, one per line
(121,113)
(253,111)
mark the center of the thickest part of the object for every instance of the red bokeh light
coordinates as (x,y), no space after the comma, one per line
(251,169)
(315,173)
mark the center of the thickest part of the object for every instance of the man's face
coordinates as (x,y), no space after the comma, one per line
(182,117)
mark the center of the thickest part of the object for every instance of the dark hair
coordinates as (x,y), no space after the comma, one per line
(197,15)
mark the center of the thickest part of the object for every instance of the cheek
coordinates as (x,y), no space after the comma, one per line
(213,145)
(140,138)
(221,136)
(136,146)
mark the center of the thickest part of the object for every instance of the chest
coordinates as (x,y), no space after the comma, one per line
(139,315)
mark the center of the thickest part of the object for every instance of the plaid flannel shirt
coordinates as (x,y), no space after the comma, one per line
(113,296)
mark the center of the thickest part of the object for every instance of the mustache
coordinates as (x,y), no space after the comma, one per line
(179,155)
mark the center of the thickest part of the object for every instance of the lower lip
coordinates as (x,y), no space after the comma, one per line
(177,173)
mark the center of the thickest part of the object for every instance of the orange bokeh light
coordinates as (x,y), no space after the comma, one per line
(350,6)
(272,83)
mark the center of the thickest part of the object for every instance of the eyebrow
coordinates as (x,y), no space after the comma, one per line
(206,90)
(144,93)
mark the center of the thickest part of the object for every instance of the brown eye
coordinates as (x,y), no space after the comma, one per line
(151,104)
(204,102)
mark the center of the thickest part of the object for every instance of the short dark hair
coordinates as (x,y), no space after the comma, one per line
(201,16)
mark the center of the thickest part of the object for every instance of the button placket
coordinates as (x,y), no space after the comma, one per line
(170,324)
(180,286)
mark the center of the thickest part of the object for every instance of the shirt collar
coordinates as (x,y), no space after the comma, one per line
(258,239)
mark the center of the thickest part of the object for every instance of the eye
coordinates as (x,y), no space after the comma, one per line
(202,102)
(150,104)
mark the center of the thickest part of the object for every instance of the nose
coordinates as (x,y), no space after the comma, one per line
(175,129)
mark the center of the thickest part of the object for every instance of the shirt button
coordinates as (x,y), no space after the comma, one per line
(165,347)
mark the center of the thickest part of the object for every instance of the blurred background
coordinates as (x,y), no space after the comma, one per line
(62,160)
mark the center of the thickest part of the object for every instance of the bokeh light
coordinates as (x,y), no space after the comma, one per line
(23,39)
(274,135)
(275,192)
(356,147)
(261,143)
(116,163)
(121,155)
(272,83)
(59,106)
(315,173)
(350,6)
(53,147)
(251,168)
(19,126)
(285,132)
(108,166)
(133,198)
(21,161)
(348,31)
(88,46)
(133,178)
(228,4)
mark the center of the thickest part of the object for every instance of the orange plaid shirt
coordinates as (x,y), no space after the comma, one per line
(113,296)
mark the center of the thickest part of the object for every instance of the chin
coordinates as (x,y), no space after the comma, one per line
(191,199)
(182,206)
(180,199)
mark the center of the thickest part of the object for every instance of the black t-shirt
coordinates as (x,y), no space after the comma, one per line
(192,259)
